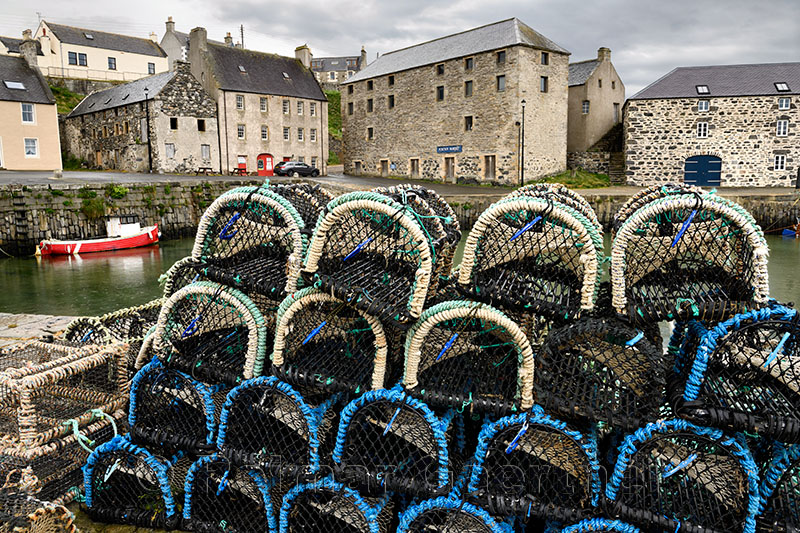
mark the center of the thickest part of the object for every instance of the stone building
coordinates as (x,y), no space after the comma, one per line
(176,43)
(451,109)
(80,53)
(729,125)
(163,123)
(28,119)
(333,71)
(270,107)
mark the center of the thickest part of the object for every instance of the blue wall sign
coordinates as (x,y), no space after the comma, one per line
(448,149)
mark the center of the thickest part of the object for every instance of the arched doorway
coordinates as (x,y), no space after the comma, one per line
(702,170)
(264,163)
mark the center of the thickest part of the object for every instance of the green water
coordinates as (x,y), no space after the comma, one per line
(93,284)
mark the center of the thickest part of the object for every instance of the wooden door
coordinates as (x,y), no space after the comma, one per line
(98,158)
(264,163)
(450,169)
(703,171)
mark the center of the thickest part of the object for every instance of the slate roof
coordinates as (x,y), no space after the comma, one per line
(329,66)
(16,69)
(127,93)
(107,41)
(724,80)
(184,38)
(12,45)
(579,72)
(263,73)
(493,36)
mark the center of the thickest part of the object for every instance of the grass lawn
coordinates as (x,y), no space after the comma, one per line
(66,100)
(580,179)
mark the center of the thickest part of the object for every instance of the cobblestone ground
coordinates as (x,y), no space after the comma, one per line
(19,328)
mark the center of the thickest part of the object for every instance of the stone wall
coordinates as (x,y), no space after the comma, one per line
(589,161)
(661,134)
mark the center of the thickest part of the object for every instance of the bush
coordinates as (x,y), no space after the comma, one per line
(93,208)
(67,203)
(56,192)
(333,158)
(71,162)
(117,192)
(86,192)
(334,113)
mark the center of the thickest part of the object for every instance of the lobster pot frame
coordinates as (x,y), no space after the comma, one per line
(600,525)
(321,344)
(533,255)
(449,514)
(43,385)
(212,332)
(745,374)
(52,471)
(327,506)
(674,474)
(561,194)
(252,239)
(20,512)
(265,422)
(182,273)
(780,491)
(601,370)
(441,208)
(171,409)
(87,330)
(688,256)
(388,441)
(132,322)
(370,251)
(467,354)
(306,203)
(126,484)
(647,195)
(532,465)
(222,497)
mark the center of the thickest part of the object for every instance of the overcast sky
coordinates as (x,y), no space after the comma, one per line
(647,38)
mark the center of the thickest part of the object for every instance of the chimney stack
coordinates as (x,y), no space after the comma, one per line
(228,39)
(363,57)
(170,25)
(198,39)
(27,49)
(604,54)
(303,54)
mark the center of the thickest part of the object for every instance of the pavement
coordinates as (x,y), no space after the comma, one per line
(19,328)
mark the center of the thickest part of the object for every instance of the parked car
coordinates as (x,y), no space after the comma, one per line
(295,168)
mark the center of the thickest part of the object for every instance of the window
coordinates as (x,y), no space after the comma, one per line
(369,85)
(782,87)
(440,93)
(28,116)
(489,167)
(349,108)
(240,131)
(264,133)
(300,108)
(314,162)
(349,89)
(783,128)
(415,168)
(169,150)
(286,107)
(262,104)
(468,123)
(702,130)
(543,85)
(585,107)
(112,63)
(440,69)
(702,105)
(240,101)
(332,76)
(312,109)
(173,123)
(545,58)
(784,103)
(312,135)
(31,147)
(82,60)
(126,127)
(286,134)
(501,57)
(201,124)
(18,85)
(391,81)
(501,83)
(205,152)
(116,129)
(286,76)
(702,89)
(88,36)
(301,159)
(370,133)
(468,88)
(72,57)
(369,105)
(105,131)
(469,63)
(390,101)
(151,68)
(600,83)
(613,85)
(780,162)
(143,129)
(300,134)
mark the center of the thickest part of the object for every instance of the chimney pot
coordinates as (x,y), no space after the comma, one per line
(153,37)
(604,54)
(170,25)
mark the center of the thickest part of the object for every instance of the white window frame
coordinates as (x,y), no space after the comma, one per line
(300,135)
(264,133)
(782,128)
(240,102)
(702,89)
(702,130)
(151,68)
(167,149)
(241,131)
(300,109)
(787,101)
(703,106)
(312,109)
(312,135)
(301,159)
(33,112)
(314,161)
(110,59)
(585,107)
(287,109)
(35,145)
(782,164)
(287,134)
(263,105)
(331,76)
(205,152)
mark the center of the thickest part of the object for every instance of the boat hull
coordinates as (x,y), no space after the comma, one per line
(146,237)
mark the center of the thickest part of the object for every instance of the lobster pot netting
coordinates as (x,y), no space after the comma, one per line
(326,506)
(688,256)
(745,374)
(126,484)
(180,274)
(601,370)
(132,322)
(214,333)
(388,441)
(20,512)
(563,195)
(600,525)
(647,195)
(171,409)
(448,515)
(532,465)
(467,354)
(52,471)
(533,255)
(322,344)
(371,251)
(252,239)
(303,200)
(780,491)
(43,385)
(266,423)
(222,497)
(86,330)
(674,474)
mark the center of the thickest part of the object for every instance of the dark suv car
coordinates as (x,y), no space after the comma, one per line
(295,168)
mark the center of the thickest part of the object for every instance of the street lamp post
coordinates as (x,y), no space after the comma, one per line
(522,150)
(147,120)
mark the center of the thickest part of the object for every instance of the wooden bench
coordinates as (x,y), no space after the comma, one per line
(239,172)
(204,171)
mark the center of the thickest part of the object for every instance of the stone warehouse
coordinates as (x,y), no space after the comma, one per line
(451,109)
(729,125)
(164,123)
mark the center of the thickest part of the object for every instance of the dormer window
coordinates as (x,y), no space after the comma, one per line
(702,89)
(18,85)
(782,87)
(242,69)
(89,36)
